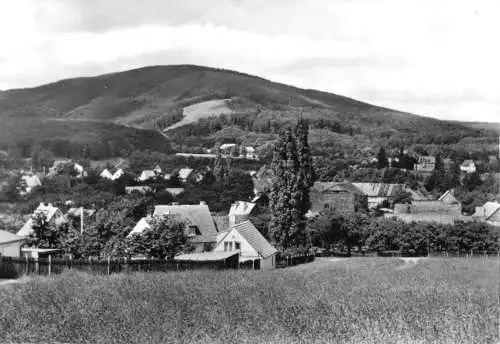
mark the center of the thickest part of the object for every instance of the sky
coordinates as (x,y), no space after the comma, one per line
(429,57)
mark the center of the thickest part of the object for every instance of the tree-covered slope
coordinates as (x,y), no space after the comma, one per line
(154,98)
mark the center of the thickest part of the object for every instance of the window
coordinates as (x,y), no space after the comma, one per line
(226,246)
(191,231)
(230,246)
(237,246)
(326,206)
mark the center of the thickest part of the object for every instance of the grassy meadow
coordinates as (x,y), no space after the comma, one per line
(368,300)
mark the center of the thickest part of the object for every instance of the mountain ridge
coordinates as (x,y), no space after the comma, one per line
(154,97)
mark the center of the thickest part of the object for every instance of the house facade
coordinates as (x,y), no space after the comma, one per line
(31,182)
(446,210)
(468,166)
(489,213)
(333,196)
(377,193)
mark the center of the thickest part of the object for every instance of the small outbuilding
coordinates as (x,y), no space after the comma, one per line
(10,244)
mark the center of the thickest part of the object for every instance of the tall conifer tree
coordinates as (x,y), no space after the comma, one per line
(220,168)
(382,161)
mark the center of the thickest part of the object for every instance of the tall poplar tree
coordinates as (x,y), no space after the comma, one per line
(293,175)
(284,198)
(306,176)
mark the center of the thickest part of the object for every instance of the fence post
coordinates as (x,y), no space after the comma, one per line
(36,266)
(27,265)
(50,263)
(471,253)
(90,264)
(109,262)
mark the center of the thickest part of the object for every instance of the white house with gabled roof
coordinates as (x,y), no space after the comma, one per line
(247,240)
(52,214)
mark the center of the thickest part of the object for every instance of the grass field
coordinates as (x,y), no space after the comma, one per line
(372,300)
(195,112)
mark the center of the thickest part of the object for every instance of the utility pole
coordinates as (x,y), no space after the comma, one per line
(81,220)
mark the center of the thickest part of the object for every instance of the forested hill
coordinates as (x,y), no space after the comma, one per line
(216,105)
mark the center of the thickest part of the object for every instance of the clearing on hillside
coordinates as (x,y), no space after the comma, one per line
(197,111)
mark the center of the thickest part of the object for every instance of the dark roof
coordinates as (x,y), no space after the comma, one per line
(199,215)
(221,222)
(206,256)
(76,212)
(379,189)
(252,235)
(335,187)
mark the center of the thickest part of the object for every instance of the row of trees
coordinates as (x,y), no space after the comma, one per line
(165,238)
(365,232)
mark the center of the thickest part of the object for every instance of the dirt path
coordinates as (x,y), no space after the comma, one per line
(409,262)
(4,282)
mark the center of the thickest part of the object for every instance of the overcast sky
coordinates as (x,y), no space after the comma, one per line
(430,57)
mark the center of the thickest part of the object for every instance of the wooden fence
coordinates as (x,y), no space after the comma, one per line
(15,267)
(283,261)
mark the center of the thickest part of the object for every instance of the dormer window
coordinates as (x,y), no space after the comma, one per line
(193,231)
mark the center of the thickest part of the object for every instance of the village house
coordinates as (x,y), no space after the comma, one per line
(10,244)
(339,197)
(227,148)
(489,213)
(446,210)
(262,181)
(146,175)
(31,181)
(377,193)
(185,173)
(78,211)
(425,165)
(158,170)
(239,212)
(201,229)
(468,166)
(174,191)
(80,170)
(142,189)
(53,215)
(111,176)
(59,164)
(247,240)
(250,153)
(449,197)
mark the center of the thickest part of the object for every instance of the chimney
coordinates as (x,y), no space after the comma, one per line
(203,203)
